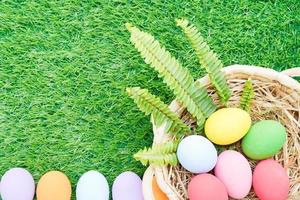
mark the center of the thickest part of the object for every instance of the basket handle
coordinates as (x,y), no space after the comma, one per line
(293,72)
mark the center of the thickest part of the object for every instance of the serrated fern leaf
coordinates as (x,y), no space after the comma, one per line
(247,96)
(174,75)
(159,155)
(149,103)
(207,58)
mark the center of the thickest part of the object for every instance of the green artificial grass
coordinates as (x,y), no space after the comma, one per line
(64,66)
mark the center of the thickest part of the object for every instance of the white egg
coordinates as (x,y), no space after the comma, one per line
(197,154)
(92,185)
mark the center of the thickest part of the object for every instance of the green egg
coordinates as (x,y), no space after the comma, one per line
(264,139)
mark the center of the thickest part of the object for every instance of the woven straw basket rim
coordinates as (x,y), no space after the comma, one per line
(240,72)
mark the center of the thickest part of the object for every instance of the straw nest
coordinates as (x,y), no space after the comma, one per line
(277,96)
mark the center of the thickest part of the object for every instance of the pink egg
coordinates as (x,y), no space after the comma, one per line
(234,171)
(270,181)
(206,187)
(127,186)
(17,184)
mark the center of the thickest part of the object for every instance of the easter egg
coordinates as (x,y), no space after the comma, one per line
(127,186)
(158,194)
(197,154)
(92,185)
(54,185)
(270,181)
(264,139)
(234,171)
(206,187)
(17,184)
(227,125)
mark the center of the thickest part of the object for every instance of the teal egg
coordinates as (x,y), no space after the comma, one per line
(264,139)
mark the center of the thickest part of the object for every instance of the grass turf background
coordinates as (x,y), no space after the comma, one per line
(64,66)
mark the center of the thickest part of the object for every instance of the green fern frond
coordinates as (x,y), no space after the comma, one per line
(247,96)
(159,155)
(207,58)
(148,103)
(174,75)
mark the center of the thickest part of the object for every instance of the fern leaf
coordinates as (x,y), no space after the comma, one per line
(159,155)
(174,75)
(207,58)
(247,96)
(148,103)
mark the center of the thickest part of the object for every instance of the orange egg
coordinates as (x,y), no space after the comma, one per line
(54,185)
(158,194)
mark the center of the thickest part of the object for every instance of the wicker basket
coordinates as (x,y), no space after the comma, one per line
(277,96)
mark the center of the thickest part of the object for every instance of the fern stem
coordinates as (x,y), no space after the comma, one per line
(149,103)
(174,75)
(159,155)
(207,59)
(247,96)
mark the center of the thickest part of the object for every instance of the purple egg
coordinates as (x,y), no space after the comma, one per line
(127,186)
(17,184)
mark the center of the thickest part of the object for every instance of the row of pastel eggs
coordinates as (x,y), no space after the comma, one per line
(226,126)
(18,183)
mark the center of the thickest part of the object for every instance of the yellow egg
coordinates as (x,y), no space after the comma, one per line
(227,125)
